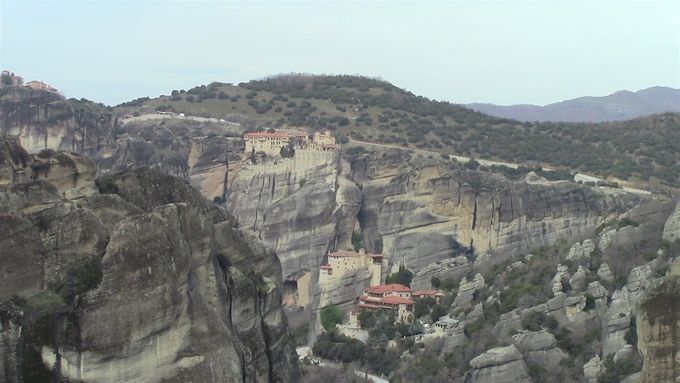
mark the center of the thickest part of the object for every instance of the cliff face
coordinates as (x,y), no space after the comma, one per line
(433,212)
(150,283)
(658,328)
(44,119)
(300,209)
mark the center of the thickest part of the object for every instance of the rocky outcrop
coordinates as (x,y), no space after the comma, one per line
(300,209)
(581,251)
(182,294)
(671,230)
(593,369)
(658,330)
(605,273)
(434,212)
(539,347)
(46,120)
(454,269)
(498,365)
(467,289)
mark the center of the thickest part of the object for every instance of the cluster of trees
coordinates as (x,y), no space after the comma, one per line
(337,347)
(643,147)
(403,277)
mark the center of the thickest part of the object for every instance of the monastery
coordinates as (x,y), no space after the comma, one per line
(343,261)
(394,297)
(272,142)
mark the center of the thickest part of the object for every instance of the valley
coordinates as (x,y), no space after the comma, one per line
(530,252)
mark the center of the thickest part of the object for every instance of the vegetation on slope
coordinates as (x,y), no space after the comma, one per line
(374,110)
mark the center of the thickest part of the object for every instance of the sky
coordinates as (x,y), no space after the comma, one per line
(503,52)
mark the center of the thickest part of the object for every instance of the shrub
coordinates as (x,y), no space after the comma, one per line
(472,164)
(471,328)
(403,276)
(616,371)
(330,316)
(534,321)
(631,335)
(218,199)
(357,240)
(81,276)
(590,303)
(287,151)
(106,185)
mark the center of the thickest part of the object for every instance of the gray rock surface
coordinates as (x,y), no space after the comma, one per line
(593,369)
(540,347)
(498,365)
(605,273)
(184,295)
(671,230)
(467,289)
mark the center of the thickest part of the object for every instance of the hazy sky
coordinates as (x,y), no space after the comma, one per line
(501,52)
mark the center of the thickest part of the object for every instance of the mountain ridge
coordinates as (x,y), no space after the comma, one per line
(618,106)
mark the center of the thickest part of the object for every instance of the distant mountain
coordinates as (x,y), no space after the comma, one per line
(621,105)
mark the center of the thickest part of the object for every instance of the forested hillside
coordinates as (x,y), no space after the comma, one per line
(370,109)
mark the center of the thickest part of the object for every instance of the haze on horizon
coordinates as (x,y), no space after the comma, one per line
(491,52)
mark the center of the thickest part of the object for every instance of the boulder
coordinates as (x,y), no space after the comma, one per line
(498,365)
(467,289)
(593,369)
(578,279)
(605,273)
(581,251)
(562,273)
(539,347)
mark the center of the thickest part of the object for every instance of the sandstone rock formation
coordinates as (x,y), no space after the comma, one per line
(658,328)
(498,365)
(432,213)
(302,208)
(46,120)
(671,230)
(540,347)
(182,294)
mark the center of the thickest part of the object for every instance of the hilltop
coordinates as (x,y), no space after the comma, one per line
(618,106)
(367,109)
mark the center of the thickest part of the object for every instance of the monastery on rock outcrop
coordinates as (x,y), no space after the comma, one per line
(271,142)
(343,261)
(394,297)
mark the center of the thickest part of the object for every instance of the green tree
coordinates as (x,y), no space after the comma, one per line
(357,241)
(420,309)
(438,311)
(367,319)
(330,316)
(287,151)
(403,276)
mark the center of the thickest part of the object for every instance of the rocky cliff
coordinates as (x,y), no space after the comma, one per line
(46,120)
(432,211)
(143,281)
(659,329)
(302,207)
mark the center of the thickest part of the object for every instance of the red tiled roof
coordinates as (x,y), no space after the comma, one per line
(428,293)
(381,289)
(328,267)
(394,300)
